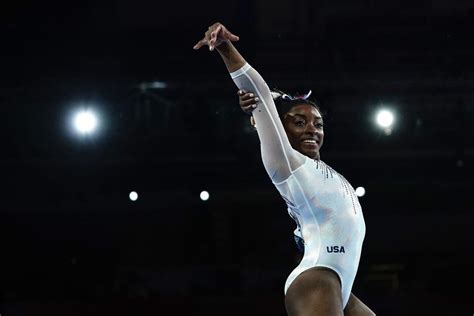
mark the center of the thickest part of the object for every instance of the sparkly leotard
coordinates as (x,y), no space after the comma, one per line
(321,201)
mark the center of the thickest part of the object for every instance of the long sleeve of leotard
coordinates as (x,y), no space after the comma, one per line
(279,158)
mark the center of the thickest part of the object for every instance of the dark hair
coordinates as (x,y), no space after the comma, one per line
(285,102)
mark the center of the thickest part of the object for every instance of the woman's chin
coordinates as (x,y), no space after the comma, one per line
(313,154)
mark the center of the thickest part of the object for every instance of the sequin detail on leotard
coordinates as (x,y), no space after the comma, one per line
(328,171)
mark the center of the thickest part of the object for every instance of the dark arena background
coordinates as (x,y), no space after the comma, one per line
(169,126)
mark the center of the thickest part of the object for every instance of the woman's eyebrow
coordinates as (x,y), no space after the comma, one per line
(296,114)
(319,118)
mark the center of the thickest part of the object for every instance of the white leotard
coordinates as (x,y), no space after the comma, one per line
(321,201)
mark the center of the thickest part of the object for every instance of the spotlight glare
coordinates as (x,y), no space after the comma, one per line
(360,191)
(384,118)
(204,195)
(133,196)
(153,85)
(85,122)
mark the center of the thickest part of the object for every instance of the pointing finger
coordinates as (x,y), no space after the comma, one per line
(232,37)
(200,44)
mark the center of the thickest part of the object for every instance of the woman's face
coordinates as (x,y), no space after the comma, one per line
(304,126)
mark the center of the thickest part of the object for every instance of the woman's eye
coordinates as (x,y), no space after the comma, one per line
(319,125)
(299,123)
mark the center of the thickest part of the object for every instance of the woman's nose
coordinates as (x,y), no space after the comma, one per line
(310,128)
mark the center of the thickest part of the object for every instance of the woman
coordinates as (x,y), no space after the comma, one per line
(321,201)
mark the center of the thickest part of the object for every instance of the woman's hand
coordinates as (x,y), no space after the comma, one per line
(215,36)
(247,101)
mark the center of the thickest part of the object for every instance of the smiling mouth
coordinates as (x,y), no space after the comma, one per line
(310,142)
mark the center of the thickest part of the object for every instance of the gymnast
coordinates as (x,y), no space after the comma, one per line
(328,216)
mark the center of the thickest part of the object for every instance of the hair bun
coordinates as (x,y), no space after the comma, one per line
(280,94)
(275,95)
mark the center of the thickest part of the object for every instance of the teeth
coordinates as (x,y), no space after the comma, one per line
(310,141)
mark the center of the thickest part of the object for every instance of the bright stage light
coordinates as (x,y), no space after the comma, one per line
(360,191)
(204,195)
(85,122)
(133,196)
(385,118)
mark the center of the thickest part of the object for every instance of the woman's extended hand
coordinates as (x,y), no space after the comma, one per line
(215,36)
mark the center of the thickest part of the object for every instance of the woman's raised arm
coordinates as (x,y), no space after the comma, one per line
(279,158)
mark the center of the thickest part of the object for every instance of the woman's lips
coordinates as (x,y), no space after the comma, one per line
(311,143)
